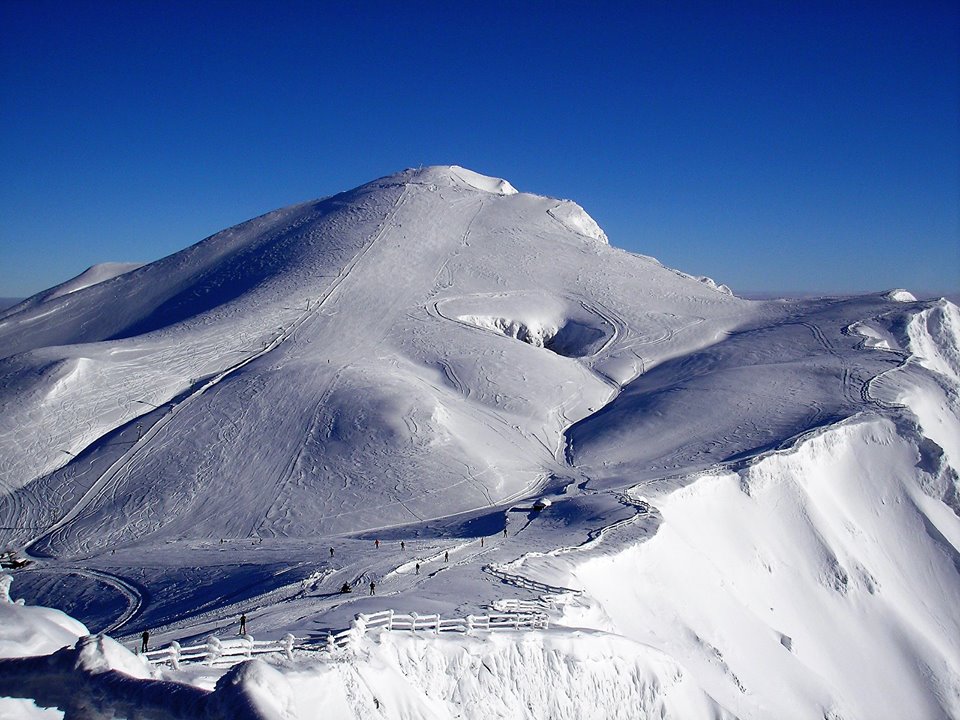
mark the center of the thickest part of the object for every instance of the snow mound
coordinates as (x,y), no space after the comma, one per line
(27,631)
(900,295)
(711,283)
(496,186)
(254,689)
(573,217)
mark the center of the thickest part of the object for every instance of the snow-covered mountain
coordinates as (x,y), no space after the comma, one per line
(758,497)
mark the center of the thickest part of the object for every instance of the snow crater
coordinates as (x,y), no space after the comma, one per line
(562,326)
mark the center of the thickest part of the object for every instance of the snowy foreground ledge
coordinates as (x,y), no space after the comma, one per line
(52,667)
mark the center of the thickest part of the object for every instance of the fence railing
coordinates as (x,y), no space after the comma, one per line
(393,621)
(226,652)
(219,652)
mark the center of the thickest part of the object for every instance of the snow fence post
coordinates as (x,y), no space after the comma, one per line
(437,627)
(248,645)
(175,655)
(389,619)
(359,627)
(5,582)
(469,624)
(288,641)
(413,621)
(214,649)
(331,645)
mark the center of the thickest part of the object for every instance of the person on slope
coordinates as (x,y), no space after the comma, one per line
(345,588)
(373,588)
(144,640)
(243,624)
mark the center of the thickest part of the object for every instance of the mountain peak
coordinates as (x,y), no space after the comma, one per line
(456,176)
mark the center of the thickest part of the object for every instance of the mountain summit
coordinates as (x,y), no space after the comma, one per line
(411,348)
(463,397)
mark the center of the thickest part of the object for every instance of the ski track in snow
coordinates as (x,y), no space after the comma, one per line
(425,394)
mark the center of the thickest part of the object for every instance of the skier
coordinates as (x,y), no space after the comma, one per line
(144,639)
(373,588)
(504,530)
(446,556)
(481,542)
(376,543)
(403,545)
(418,569)
(331,552)
(243,624)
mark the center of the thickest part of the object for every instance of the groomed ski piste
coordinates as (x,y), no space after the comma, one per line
(583,485)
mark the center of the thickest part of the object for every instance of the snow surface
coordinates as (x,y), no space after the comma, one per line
(754,505)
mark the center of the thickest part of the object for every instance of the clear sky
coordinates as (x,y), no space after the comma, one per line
(773,145)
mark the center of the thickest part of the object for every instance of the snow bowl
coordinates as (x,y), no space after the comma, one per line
(567,327)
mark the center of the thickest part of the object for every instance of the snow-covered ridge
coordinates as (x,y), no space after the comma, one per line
(91,276)
(369,392)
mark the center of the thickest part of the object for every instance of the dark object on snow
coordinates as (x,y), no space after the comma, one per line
(373,588)
(331,552)
(10,561)
(243,624)
(345,588)
(144,640)
(542,504)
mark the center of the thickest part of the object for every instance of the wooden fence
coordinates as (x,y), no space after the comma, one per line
(220,652)
(393,621)
(226,652)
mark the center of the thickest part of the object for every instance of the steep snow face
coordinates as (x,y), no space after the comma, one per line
(586,675)
(934,335)
(771,584)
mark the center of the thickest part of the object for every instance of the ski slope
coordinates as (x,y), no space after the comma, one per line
(761,494)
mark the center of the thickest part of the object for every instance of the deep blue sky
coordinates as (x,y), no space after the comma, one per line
(775,146)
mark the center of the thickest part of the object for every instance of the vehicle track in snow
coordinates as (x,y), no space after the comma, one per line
(129,592)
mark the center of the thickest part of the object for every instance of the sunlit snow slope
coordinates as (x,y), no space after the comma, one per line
(335,366)
(414,361)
